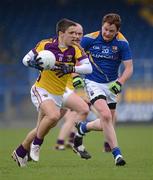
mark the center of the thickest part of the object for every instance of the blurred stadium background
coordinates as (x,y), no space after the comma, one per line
(24,23)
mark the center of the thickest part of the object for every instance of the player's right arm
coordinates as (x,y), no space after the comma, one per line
(31,60)
(87,40)
(28,57)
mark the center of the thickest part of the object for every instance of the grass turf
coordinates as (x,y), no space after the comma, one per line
(135,141)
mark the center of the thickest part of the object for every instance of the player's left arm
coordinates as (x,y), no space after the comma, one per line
(126,57)
(83,65)
(127,72)
(116,86)
(63,68)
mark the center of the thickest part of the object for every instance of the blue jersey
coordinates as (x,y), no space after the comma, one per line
(105,57)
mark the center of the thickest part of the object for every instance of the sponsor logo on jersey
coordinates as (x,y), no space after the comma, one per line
(69,58)
(114,48)
(99,55)
(96,47)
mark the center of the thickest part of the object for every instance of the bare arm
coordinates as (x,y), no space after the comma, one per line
(128,70)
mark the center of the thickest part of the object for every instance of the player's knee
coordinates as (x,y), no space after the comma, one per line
(106,116)
(53,118)
(84,110)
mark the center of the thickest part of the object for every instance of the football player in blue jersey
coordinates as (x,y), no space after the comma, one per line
(107,49)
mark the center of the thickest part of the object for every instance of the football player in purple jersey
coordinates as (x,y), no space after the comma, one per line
(47,92)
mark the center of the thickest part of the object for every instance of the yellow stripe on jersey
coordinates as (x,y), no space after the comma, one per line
(78,52)
(40,46)
(120,37)
(70,83)
(93,35)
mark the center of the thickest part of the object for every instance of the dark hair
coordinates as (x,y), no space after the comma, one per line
(112,18)
(64,24)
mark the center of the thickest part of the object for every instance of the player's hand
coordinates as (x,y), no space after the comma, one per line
(35,63)
(78,82)
(115,87)
(63,69)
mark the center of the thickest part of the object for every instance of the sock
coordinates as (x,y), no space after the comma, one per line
(78,141)
(79,135)
(116,151)
(71,137)
(21,151)
(60,141)
(83,128)
(38,141)
(107,147)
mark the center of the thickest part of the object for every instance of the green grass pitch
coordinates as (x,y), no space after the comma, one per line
(136,142)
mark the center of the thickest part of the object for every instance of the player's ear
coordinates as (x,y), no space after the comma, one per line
(118,30)
(117,33)
(60,33)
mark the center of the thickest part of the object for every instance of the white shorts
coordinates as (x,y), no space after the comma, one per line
(95,89)
(38,95)
(66,94)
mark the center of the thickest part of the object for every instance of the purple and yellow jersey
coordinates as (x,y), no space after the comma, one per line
(105,57)
(48,79)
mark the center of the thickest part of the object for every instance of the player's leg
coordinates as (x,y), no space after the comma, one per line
(66,131)
(89,126)
(52,115)
(106,145)
(70,140)
(68,100)
(21,153)
(77,104)
(68,125)
(31,135)
(108,129)
(49,105)
(99,98)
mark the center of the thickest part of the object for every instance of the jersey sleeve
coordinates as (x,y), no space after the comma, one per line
(88,39)
(78,54)
(125,51)
(85,43)
(42,45)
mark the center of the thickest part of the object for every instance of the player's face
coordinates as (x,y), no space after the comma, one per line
(69,36)
(79,33)
(109,31)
